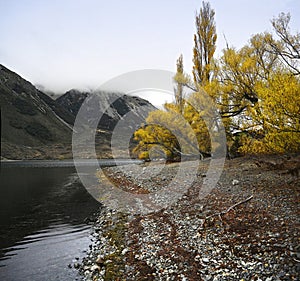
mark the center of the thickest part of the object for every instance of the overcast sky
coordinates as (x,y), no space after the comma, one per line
(63,44)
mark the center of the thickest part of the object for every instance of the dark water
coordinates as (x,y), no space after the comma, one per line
(42,222)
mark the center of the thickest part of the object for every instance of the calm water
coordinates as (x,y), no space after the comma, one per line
(42,222)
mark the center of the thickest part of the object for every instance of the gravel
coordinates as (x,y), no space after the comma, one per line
(198,238)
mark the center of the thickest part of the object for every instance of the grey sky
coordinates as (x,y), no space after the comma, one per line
(65,44)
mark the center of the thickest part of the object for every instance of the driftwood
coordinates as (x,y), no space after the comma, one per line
(220,214)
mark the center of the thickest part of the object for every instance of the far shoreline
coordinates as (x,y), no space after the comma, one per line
(67,162)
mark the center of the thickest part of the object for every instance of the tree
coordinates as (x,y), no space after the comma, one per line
(204,44)
(275,120)
(288,45)
(255,89)
(193,109)
(235,86)
(240,72)
(169,131)
(179,99)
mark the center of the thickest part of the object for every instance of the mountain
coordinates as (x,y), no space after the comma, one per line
(112,106)
(35,126)
(28,123)
(108,113)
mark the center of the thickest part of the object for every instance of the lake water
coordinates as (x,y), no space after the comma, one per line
(43,229)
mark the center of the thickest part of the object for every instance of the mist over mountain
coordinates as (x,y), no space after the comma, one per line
(36,126)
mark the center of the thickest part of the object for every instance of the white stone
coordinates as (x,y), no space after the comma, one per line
(124,251)
(235,182)
(95,268)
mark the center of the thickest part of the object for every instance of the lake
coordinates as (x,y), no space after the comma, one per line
(43,212)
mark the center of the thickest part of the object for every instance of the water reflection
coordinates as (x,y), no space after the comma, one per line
(42,222)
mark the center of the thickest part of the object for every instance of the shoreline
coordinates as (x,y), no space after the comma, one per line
(68,162)
(225,236)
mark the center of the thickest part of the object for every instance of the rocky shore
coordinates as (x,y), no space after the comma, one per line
(246,228)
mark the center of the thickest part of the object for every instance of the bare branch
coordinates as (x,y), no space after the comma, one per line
(230,208)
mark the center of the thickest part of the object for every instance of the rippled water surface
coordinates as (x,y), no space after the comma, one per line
(43,210)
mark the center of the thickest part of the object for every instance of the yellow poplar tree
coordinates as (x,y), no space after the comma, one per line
(179,98)
(204,44)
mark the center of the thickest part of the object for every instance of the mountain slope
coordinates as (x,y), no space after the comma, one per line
(26,119)
(112,106)
(34,126)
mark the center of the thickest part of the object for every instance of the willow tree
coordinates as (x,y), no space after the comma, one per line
(169,133)
(261,98)
(287,47)
(204,44)
(240,71)
(275,119)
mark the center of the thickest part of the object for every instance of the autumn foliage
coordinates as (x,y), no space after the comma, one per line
(255,90)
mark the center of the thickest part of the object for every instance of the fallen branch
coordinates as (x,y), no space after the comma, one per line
(296,260)
(229,209)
